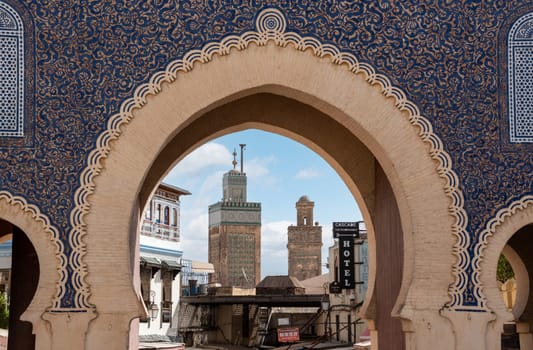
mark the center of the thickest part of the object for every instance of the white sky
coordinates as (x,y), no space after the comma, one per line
(279,172)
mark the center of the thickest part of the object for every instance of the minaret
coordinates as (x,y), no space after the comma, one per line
(305,242)
(234,183)
(235,232)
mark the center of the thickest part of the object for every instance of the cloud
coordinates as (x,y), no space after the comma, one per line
(258,167)
(306,174)
(274,234)
(258,172)
(194,235)
(206,156)
(274,255)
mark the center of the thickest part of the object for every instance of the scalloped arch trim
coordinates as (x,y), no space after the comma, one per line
(270,27)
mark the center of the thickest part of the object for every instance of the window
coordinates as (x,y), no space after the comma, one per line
(11,72)
(520,75)
(167,214)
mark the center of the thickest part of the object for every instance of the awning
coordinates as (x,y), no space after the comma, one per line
(171,265)
(198,266)
(150,262)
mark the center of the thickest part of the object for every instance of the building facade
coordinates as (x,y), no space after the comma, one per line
(235,234)
(343,317)
(304,242)
(160,264)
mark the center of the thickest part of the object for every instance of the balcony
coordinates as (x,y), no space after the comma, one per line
(161,231)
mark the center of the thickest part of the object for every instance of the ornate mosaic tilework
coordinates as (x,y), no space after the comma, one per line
(11,72)
(520,58)
(90,56)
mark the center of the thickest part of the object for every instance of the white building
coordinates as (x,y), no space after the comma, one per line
(160,264)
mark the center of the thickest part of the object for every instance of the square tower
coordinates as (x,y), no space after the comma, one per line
(305,242)
(235,234)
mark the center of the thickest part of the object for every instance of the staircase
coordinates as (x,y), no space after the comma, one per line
(254,312)
(260,320)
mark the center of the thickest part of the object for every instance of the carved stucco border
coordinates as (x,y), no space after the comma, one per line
(52,232)
(270,25)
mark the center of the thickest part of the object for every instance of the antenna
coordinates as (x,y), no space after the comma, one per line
(244,274)
(242,157)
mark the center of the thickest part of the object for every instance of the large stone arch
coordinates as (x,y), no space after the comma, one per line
(15,211)
(377,115)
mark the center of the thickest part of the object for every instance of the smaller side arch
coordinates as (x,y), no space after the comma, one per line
(494,238)
(44,238)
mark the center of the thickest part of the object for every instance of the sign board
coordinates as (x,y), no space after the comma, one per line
(335,288)
(283,321)
(288,334)
(350,229)
(347,262)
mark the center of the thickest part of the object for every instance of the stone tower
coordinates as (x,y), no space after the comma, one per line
(305,242)
(235,233)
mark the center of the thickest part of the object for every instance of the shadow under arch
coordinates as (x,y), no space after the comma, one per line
(137,160)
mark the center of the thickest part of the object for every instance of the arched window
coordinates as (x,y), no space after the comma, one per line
(11,72)
(520,75)
(167,215)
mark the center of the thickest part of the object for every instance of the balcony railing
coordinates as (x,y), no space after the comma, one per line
(159,230)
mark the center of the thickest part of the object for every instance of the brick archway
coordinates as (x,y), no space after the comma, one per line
(377,122)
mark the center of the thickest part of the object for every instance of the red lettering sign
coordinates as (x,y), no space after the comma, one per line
(287,335)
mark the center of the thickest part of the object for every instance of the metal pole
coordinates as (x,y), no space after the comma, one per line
(242,157)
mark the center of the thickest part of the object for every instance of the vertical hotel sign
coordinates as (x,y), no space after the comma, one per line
(346,232)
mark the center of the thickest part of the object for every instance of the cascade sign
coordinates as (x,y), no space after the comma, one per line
(350,229)
(346,266)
